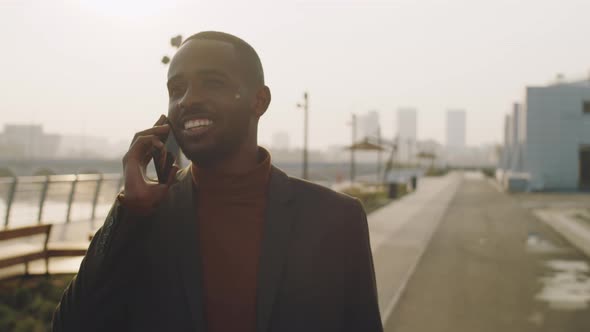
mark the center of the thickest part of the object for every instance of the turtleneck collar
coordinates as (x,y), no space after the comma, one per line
(245,185)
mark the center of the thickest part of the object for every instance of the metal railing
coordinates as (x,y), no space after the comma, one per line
(56,198)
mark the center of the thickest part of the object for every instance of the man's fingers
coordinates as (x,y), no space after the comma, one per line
(160,131)
(172,175)
(160,121)
(142,148)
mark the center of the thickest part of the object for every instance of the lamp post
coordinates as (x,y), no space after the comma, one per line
(352,148)
(378,153)
(304,106)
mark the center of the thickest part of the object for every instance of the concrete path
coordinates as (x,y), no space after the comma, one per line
(493,266)
(401,231)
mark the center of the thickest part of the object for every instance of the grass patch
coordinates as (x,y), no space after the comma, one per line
(437,172)
(27,303)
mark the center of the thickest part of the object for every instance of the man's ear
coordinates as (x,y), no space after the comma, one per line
(261,101)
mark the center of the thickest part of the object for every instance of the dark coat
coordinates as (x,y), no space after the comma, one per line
(315,271)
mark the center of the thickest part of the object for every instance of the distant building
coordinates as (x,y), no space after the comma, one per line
(84,147)
(280,141)
(407,133)
(547,139)
(407,124)
(27,142)
(456,129)
(368,125)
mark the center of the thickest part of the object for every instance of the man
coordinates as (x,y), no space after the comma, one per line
(230,243)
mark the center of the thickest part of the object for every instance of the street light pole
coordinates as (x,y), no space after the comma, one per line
(352,148)
(305,135)
(379,153)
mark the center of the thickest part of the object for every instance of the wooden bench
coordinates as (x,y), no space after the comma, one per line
(23,253)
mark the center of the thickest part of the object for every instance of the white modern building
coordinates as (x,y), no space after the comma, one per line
(368,125)
(407,133)
(407,124)
(547,139)
(456,129)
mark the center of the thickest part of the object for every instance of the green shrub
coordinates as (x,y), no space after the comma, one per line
(7,317)
(489,172)
(29,324)
(22,298)
(27,304)
(371,199)
(437,171)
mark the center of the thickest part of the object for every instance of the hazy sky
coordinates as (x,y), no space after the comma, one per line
(93,66)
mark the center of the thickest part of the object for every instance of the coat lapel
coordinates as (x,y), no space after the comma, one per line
(280,217)
(189,256)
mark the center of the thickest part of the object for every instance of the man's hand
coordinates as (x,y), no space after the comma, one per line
(142,195)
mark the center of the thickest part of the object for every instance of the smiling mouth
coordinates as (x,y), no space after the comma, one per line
(197,126)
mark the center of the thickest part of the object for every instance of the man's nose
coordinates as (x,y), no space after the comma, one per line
(192,97)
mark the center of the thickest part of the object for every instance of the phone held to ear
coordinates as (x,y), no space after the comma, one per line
(163,161)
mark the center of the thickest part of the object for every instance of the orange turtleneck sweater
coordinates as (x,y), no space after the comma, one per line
(231,211)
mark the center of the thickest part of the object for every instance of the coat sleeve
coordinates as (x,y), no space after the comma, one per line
(364,312)
(101,293)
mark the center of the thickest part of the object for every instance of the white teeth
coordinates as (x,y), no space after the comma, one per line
(197,123)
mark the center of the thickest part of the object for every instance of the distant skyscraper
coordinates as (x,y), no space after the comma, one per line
(368,125)
(456,128)
(407,132)
(407,124)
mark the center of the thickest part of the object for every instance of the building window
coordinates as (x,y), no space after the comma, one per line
(586,107)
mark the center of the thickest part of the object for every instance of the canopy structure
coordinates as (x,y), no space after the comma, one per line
(365,145)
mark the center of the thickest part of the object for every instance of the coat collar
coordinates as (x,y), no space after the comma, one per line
(280,217)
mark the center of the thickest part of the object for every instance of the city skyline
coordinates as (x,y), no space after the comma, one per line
(100,72)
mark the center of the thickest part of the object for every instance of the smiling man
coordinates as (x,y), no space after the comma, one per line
(230,243)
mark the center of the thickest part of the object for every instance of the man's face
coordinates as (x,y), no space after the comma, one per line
(208,105)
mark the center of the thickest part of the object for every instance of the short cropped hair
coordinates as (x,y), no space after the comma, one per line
(246,53)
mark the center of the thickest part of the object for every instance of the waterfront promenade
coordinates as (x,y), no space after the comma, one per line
(458,254)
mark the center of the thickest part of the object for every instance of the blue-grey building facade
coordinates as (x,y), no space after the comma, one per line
(547,139)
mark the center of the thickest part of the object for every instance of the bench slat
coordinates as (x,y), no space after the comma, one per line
(9,261)
(7,234)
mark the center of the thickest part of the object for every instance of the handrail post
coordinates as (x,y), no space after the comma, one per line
(11,194)
(43,198)
(95,199)
(71,199)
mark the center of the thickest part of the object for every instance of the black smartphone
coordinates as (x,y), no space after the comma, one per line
(163,160)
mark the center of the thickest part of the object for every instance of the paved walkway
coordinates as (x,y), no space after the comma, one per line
(400,232)
(493,266)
